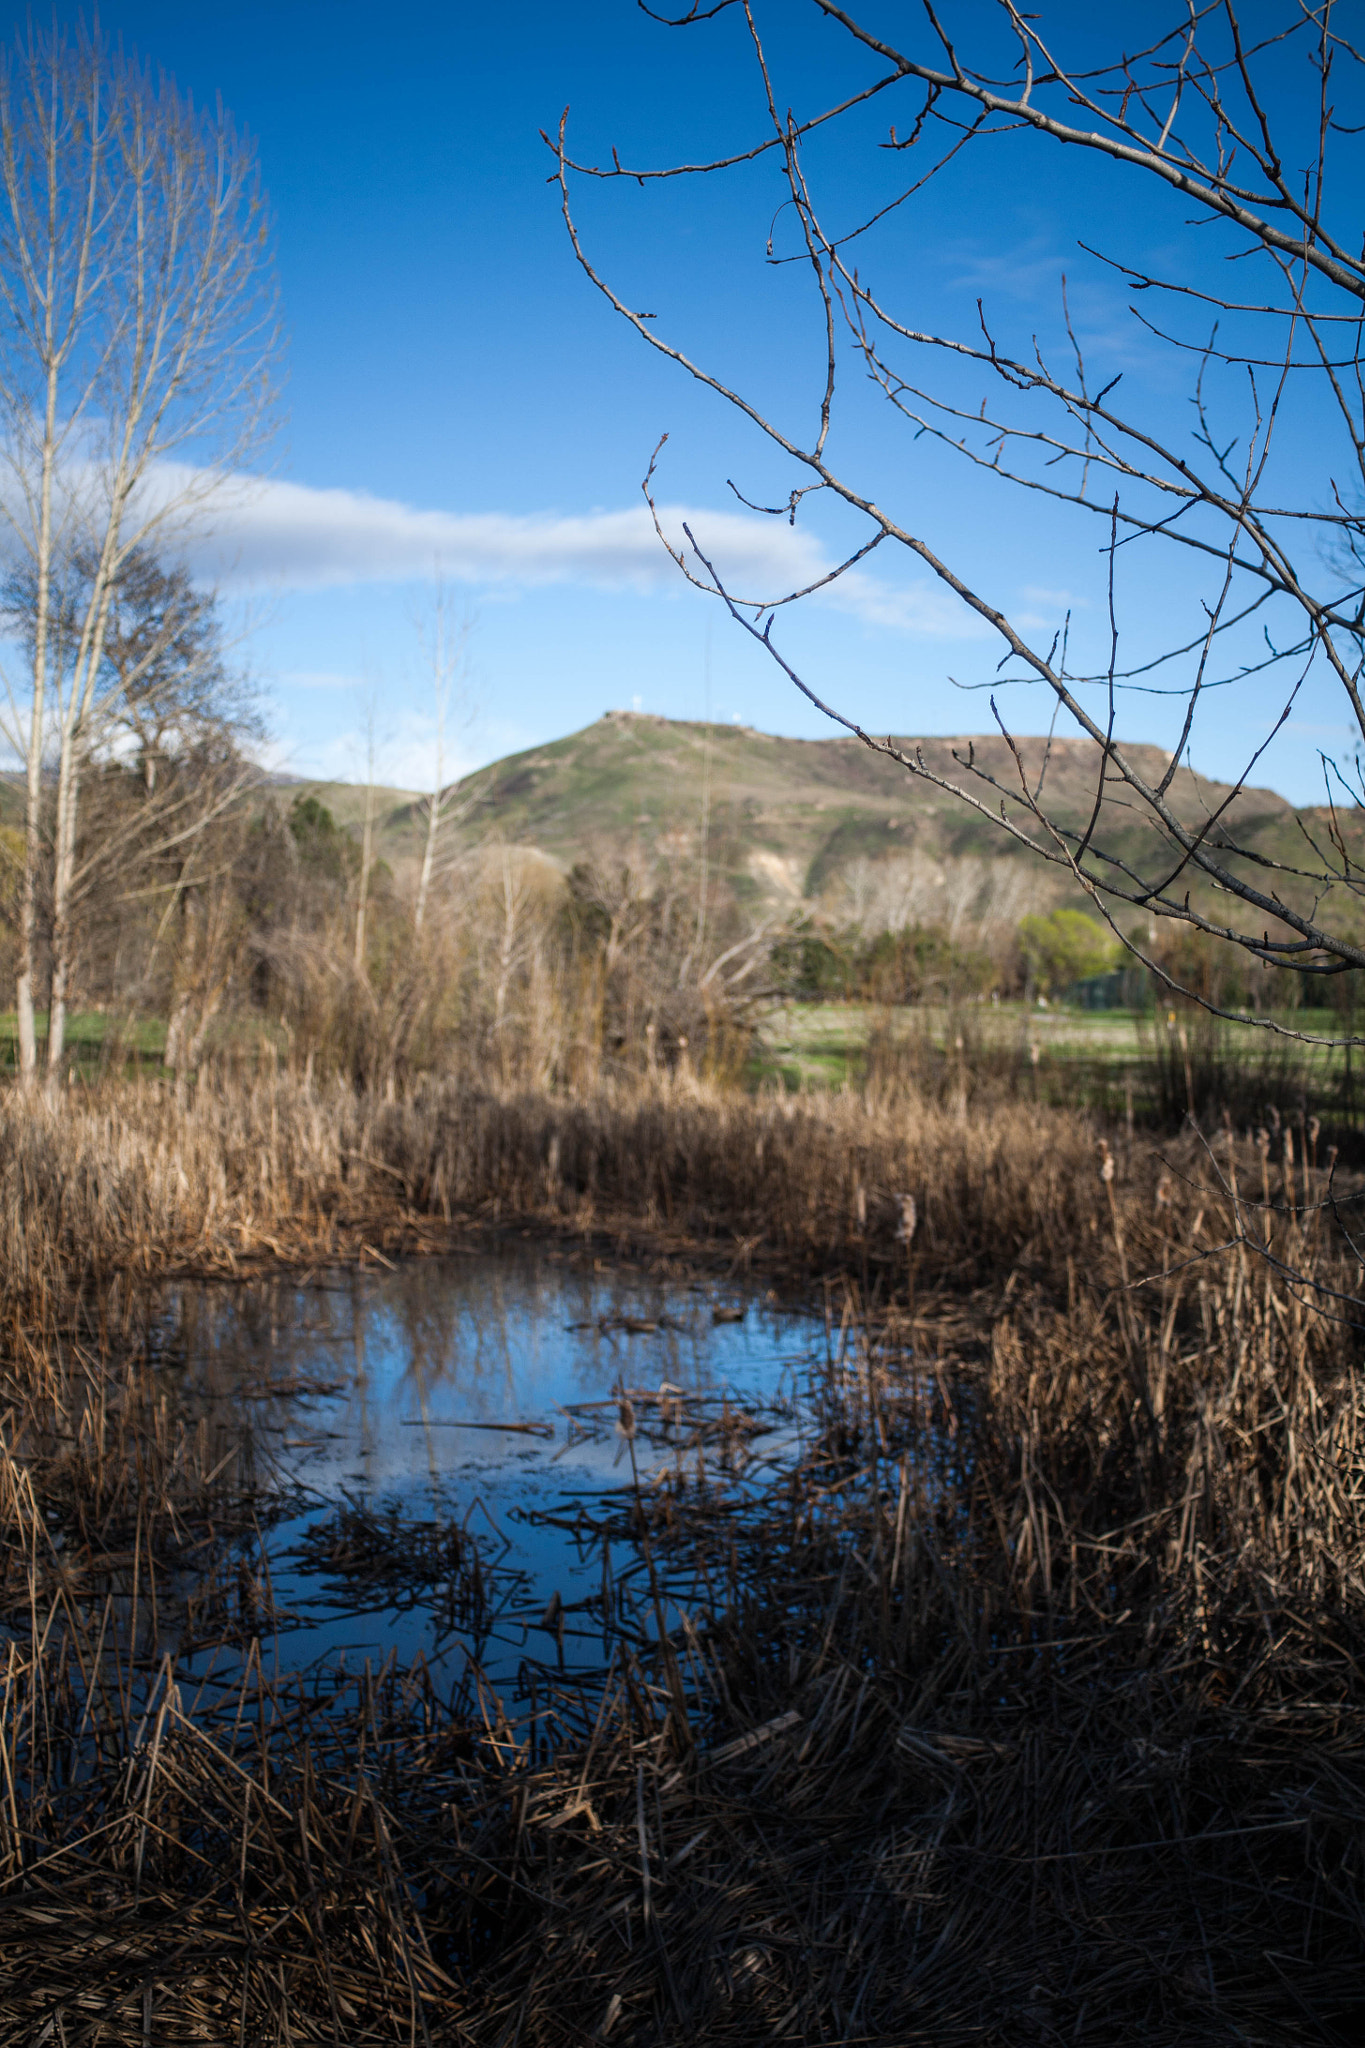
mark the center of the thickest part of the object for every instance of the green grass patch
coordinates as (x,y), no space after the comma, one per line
(1153,1064)
(814,1045)
(95,1041)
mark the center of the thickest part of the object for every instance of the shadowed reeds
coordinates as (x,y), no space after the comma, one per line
(1024,1704)
(132,1183)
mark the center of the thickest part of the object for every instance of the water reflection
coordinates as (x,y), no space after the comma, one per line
(471,1393)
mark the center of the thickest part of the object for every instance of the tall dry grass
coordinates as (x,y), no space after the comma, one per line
(138,1181)
(1026,1707)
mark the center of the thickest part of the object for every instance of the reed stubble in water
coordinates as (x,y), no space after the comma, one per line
(1026,1706)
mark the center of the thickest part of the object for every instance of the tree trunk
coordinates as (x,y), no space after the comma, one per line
(177,1028)
(508,948)
(131,271)
(63,878)
(28,932)
(428,852)
(366,861)
(33,795)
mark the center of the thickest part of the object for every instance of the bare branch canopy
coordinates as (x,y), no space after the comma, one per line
(138,360)
(1253,485)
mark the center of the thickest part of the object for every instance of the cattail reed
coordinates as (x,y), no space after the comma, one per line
(1023,1702)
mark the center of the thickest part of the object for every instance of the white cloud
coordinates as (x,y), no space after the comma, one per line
(1043,610)
(1028,270)
(405,754)
(290,536)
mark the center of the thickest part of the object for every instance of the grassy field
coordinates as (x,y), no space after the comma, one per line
(826,1044)
(804,1045)
(1100,1058)
(96,1041)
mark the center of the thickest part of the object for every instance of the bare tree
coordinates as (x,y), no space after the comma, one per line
(444,640)
(169,682)
(362,900)
(1251,130)
(161,816)
(136,365)
(203,916)
(164,776)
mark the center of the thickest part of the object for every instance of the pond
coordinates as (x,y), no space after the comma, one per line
(446,1439)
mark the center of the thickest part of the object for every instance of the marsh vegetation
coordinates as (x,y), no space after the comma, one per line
(1021,1699)
(995,1674)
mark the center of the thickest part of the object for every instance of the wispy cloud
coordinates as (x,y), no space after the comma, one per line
(288,536)
(405,754)
(1028,268)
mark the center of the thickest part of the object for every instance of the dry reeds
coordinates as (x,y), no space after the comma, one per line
(134,1181)
(1024,1705)
(1031,1705)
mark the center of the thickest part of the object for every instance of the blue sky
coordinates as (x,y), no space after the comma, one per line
(458,393)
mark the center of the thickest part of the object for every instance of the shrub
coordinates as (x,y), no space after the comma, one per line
(1065,946)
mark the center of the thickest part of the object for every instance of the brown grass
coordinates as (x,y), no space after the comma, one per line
(127,1182)
(1028,1708)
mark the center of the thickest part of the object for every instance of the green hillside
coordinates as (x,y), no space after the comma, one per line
(399,822)
(794,825)
(803,822)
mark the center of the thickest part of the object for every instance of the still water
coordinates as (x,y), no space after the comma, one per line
(503,1395)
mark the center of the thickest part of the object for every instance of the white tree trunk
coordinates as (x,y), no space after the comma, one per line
(445,652)
(429,850)
(366,862)
(133,324)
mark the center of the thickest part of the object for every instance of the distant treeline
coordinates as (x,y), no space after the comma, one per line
(1058,954)
(218,920)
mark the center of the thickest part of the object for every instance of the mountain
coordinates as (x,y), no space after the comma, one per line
(827,826)
(794,824)
(394,809)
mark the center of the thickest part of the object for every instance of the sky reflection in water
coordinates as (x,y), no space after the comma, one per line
(418,1354)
